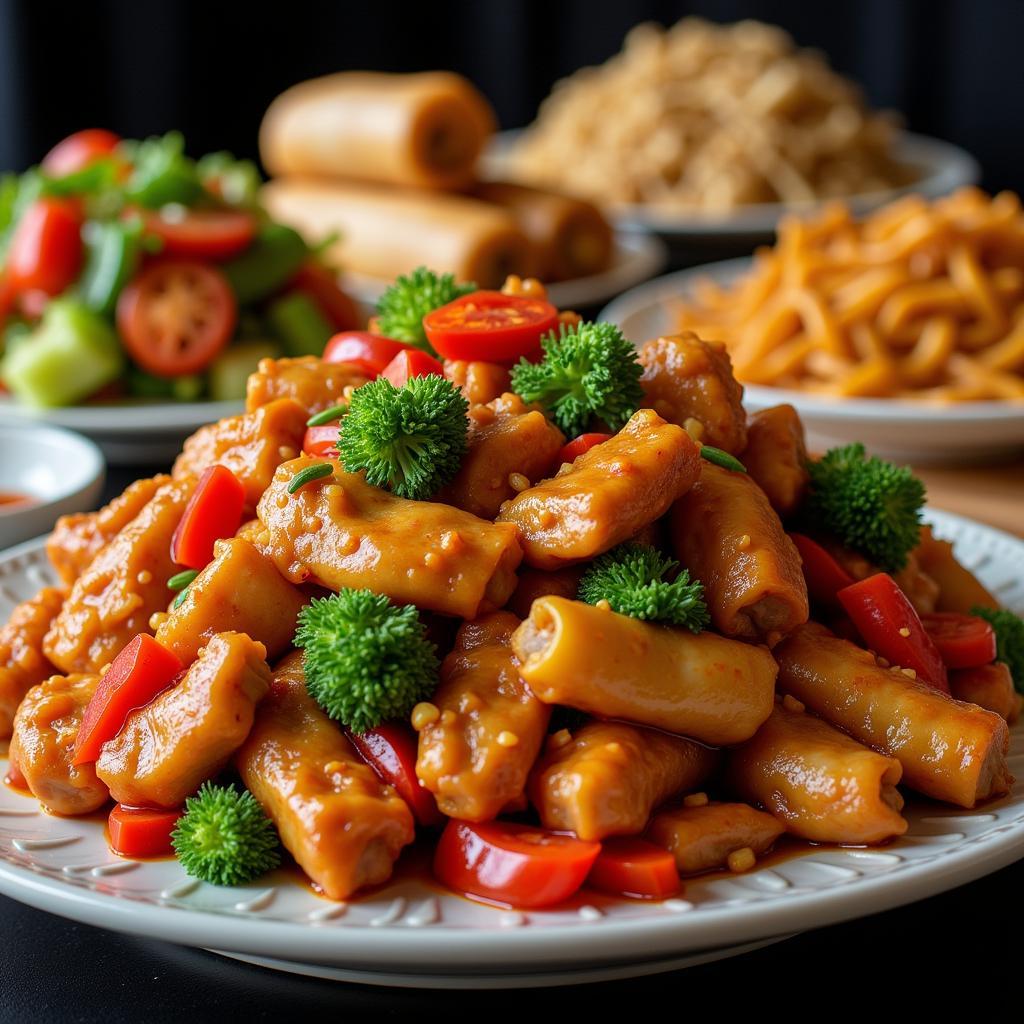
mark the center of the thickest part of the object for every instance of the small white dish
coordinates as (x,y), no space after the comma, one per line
(56,472)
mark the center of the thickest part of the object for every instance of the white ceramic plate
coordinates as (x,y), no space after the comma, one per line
(899,429)
(408,933)
(637,257)
(944,168)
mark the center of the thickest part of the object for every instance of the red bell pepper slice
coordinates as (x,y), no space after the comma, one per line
(213,512)
(141,831)
(411,362)
(142,670)
(365,350)
(890,626)
(964,641)
(322,440)
(580,446)
(824,575)
(634,867)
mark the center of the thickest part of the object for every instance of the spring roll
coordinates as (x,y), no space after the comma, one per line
(776,456)
(949,750)
(311,382)
(704,686)
(818,782)
(730,538)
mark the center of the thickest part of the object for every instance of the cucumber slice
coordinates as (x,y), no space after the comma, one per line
(230,371)
(296,319)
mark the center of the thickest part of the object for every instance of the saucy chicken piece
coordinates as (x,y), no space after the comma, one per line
(607,778)
(343,826)
(252,445)
(480,383)
(311,382)
(22,662)
(949,750)
(776,456)
(958,589)
(534,583)
(240,590)
(43,745)
(988,686)
(920,589)
(112,601)
(506,437)
(166,750)
(702,838)
(607,495)
(476,755)
(339,531)
(690,382)
(715,690)
(818,782)
(78,538)
(730,538)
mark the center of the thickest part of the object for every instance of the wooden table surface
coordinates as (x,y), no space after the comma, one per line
(990,494)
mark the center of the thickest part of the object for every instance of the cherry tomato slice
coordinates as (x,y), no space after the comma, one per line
(46,249)
(411,362)
(368,351)
(633,867)
(490,326)
(213,512)
(79,150)
(580,446)
(890,626)
(321,286)
(202,234)
(964,641)
(141,831)
(518,865)
(824,575)
(390,750)
(322,441)
(176,316)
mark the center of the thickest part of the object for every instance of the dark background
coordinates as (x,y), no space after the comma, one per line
(953,67)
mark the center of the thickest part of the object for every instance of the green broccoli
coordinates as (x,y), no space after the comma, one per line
(1009,630)
(632,579)
(588,372)
(409,439)
(366,660)
(405,303)
(871,505)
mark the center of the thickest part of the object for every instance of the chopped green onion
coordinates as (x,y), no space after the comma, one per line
(309,474)
(723,459)
(327,416)
(180,599)
(180,580)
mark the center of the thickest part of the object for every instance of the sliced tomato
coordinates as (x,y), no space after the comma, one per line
(890,626)
(364,349)
(580,446)
(141,831)
(519,865)
(142,670)
(213,512)
(633,867)
(215,234)
(964,641)
(322,441)
(321,285)
(490,326)
(411,362)
(46,249)
(79,150)
(176,316)
(390,750)
(824,575)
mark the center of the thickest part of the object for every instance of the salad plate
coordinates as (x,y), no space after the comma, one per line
(410,932)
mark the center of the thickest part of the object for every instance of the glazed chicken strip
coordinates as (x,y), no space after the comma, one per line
(340,532)
(78,538)
(507,438)
(949,750)
(730,538)
(311,382)
(776,457)
(702,838)
(958,589)
(240,590)
(476,755)
(22,662)
(343,826)
(607,778)
(43,745)
(704,686)
(690,382)
(480,383)
(988,686)
(252,446)
(607,495)
(818,782)
(534,583)
(112,601)
(168,749)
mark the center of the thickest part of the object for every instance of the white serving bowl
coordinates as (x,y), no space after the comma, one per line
(58,471)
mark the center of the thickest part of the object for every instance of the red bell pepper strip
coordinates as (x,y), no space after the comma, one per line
(363,349)
(964,641)
(890,626)
(213,512)
(142,670)
(824,575)
(322,440)
(633,867)
(580,446)
(141,831)
(411,362)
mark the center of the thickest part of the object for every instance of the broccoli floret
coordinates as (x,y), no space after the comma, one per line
(404,304)
(632,579)
(588,372)
(1009,629)
(871,505)
(366,660)
(224,837)
(409,439)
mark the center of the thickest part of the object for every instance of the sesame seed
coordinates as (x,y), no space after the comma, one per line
(792,704)
(559,739)
(144,577)
(695,800)
(744,542)
(603,604)
(741,860)
(518,482)
(507,739)
(424,714)
(904,631)
(909,672)
(447,716)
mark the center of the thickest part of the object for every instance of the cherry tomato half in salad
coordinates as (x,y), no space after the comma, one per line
(519,865)
(79,150)
(580,446)
(490,326)
(368,351)
(322,441)
(202,234)
(411,362)
(46,249)
(176,316)
(319,283)
(141,831)
(213,512)
(964,641)
(633,867)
